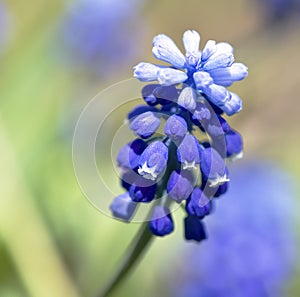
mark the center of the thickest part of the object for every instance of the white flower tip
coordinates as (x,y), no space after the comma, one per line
(189,165)
(147,172)
(219,180)
(158,38)
(236,157)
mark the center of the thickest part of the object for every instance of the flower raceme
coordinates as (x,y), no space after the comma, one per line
(188,99)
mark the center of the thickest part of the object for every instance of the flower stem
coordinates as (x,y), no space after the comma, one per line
(143,238)
(134,252)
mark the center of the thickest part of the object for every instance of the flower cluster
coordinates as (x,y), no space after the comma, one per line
(252,246)
(185,164)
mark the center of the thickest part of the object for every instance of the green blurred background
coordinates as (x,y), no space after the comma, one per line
(53,242)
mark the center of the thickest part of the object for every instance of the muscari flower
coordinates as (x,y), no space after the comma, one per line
(252,243)
(177,166)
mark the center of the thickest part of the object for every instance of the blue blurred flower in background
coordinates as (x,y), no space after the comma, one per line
(101,34)
(277,11)
(5,23)
(251,250)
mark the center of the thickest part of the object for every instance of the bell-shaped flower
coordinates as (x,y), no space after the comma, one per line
(198,204)
(145,124)
(180,185)
(213,167)
(153,160)
(161,222)
(188,152)
(234,145)
(166,94)
(142,191)
(147,94)
(194,229)
(129,155)
(122,207)
(175,128)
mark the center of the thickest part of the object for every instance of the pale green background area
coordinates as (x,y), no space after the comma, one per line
(53,242)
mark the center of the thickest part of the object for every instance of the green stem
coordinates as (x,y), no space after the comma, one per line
(134,252)
(144,236)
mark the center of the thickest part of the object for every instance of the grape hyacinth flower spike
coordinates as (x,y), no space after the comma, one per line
(184,165)
(190,95)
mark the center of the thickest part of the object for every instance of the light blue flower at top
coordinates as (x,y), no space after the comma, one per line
(210,71)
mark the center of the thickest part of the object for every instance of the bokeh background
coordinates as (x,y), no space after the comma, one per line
(57,55)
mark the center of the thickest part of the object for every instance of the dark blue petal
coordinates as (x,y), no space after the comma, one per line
(222,189)
(144,191)
(129,177)
(180,185)
(198,204)
(147,93)
(175,128)
(128,157)
(225,126)
(145,124)
(161,223)
(139,110)
(194,229)
(166,94)
(217,127)
(123,207)
(234,144)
